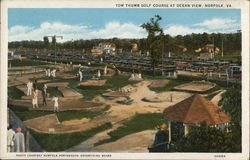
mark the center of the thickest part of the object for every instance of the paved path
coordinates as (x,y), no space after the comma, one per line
(218,97)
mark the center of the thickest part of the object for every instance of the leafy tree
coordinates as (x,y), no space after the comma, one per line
(46,41)
(231,104)
(155,40)
(54,40)
(204,139)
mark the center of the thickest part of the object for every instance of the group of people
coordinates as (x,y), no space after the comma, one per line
(15,140)
(50,73)
(33,91)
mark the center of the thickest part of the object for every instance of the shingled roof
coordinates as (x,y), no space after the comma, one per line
(195,110)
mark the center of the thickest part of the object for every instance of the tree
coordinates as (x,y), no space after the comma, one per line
(54,40)
(204,138)
(46,41)
(154,39)
(231,104)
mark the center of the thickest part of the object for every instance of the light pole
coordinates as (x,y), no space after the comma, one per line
(54,39)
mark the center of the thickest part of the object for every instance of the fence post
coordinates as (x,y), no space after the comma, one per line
(27,141)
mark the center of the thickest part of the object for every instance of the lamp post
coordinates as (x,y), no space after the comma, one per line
(54,39)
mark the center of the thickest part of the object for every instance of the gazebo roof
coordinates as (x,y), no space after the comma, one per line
(195,110)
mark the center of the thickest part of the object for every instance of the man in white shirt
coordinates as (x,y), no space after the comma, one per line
(30,87)
(10,138)
(19,141)
(80,75)
(56,105)
(48,72)
(98,74)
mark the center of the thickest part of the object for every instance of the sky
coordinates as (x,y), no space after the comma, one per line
(92,23)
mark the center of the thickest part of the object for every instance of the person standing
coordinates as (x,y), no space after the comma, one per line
(45,89)
(56,105)
(48,72)
(80,75)
(10,139)
(19,141)
(44,98)
(35,98)
(30,87)
(98,74)
(34,84)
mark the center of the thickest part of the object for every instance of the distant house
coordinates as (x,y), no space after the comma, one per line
(208,48)
(104,48)
(107,47)
(208,51)
(134,48)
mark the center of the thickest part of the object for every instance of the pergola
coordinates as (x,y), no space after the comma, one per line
(194,111)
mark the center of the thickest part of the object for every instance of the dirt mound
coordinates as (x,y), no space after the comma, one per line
(115,94)
(158,83)
(60,84)
(199,86)
(93,83)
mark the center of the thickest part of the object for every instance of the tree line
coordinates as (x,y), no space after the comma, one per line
(231,43)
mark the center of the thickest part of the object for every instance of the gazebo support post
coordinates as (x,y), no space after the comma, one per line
(169,131)
(186,129)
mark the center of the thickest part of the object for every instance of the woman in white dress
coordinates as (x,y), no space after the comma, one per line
(56,105)
(35,98)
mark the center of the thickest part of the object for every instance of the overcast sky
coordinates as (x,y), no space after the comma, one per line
(82,23)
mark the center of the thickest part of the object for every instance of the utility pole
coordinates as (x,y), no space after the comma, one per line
(222,54)
(213,48)
(162,57)
(54,37)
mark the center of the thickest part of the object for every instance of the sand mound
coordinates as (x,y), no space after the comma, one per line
(93,83)
(76,122)
(199,86)
(115,94)
(60,84)
(158,83)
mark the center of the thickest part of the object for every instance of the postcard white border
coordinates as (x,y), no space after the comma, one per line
(240,4)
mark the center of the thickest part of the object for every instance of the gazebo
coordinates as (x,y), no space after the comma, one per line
(194,111)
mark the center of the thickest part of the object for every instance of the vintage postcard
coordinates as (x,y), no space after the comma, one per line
(124,80)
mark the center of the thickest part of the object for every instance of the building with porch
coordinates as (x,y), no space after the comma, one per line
(194,111)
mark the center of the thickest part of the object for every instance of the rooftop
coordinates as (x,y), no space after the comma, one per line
(195,110)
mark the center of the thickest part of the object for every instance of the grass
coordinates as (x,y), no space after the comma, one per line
(26,62)
(25,114)
(211,96)
(15,93)
(236,57)
(53,91)
(61,142)
(71,115)
(140,122)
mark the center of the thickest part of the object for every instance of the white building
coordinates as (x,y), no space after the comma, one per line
(107,47)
